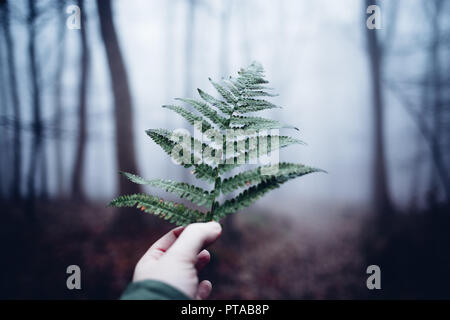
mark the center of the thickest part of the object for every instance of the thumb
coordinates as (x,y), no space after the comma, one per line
(194,238)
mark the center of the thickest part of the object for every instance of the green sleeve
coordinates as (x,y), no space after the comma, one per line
(152,290)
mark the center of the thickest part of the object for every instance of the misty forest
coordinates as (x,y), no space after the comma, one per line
(82,81)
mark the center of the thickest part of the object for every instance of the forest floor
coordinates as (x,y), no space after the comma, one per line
(261,257)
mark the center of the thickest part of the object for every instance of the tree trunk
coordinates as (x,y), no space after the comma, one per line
(36,146)
(4,163)
(381,197)
(125,149)
(17,140)
(58,101)
(439,170)
(77,177)
(124,223)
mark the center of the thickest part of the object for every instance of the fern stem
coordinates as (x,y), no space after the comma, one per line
(217,179)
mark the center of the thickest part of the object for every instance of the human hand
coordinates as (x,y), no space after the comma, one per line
(178,256)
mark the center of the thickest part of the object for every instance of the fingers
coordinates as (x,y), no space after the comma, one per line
(193,238)
(203,259)
(203,290)
(163,244)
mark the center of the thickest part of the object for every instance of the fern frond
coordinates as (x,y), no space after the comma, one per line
(191,117)
(253,148)
(192,193)
(286,172)
(207,111)
(258,123)
(233,139)
(227,95)
(247,105)
(161,139)
(221,105)
(247,86)
(250,177)
(246,198)
(259,93)
(204,172)
(171,211)
(201,170)
(232,88)
(193,142)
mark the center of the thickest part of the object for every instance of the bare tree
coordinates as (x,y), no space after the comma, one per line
(431,112)
(3,125)
(58,101)
(437,105)
(125,149)
(381,195)
(77,173)
(37,128)
(11,63)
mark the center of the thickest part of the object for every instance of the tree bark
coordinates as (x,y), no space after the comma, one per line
(58,101)
(36,146)
(17,139)
(381,196)
(439,169)
(4,163)
(125,150)
(78,170)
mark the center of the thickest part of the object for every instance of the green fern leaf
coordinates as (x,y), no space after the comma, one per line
(250,153)
(171,211)
(221,105)
(201,170)
(227,95)
(246,198)
(195,194)
(258,123)
(225,120)
(232,88)
(207,111)
(204,172)
(191,117)
(247,105)
(259,93)
(165,143)
(250,177)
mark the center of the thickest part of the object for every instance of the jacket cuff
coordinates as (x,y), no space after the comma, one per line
(152,290)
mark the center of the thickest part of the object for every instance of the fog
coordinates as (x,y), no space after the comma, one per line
(314,54)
